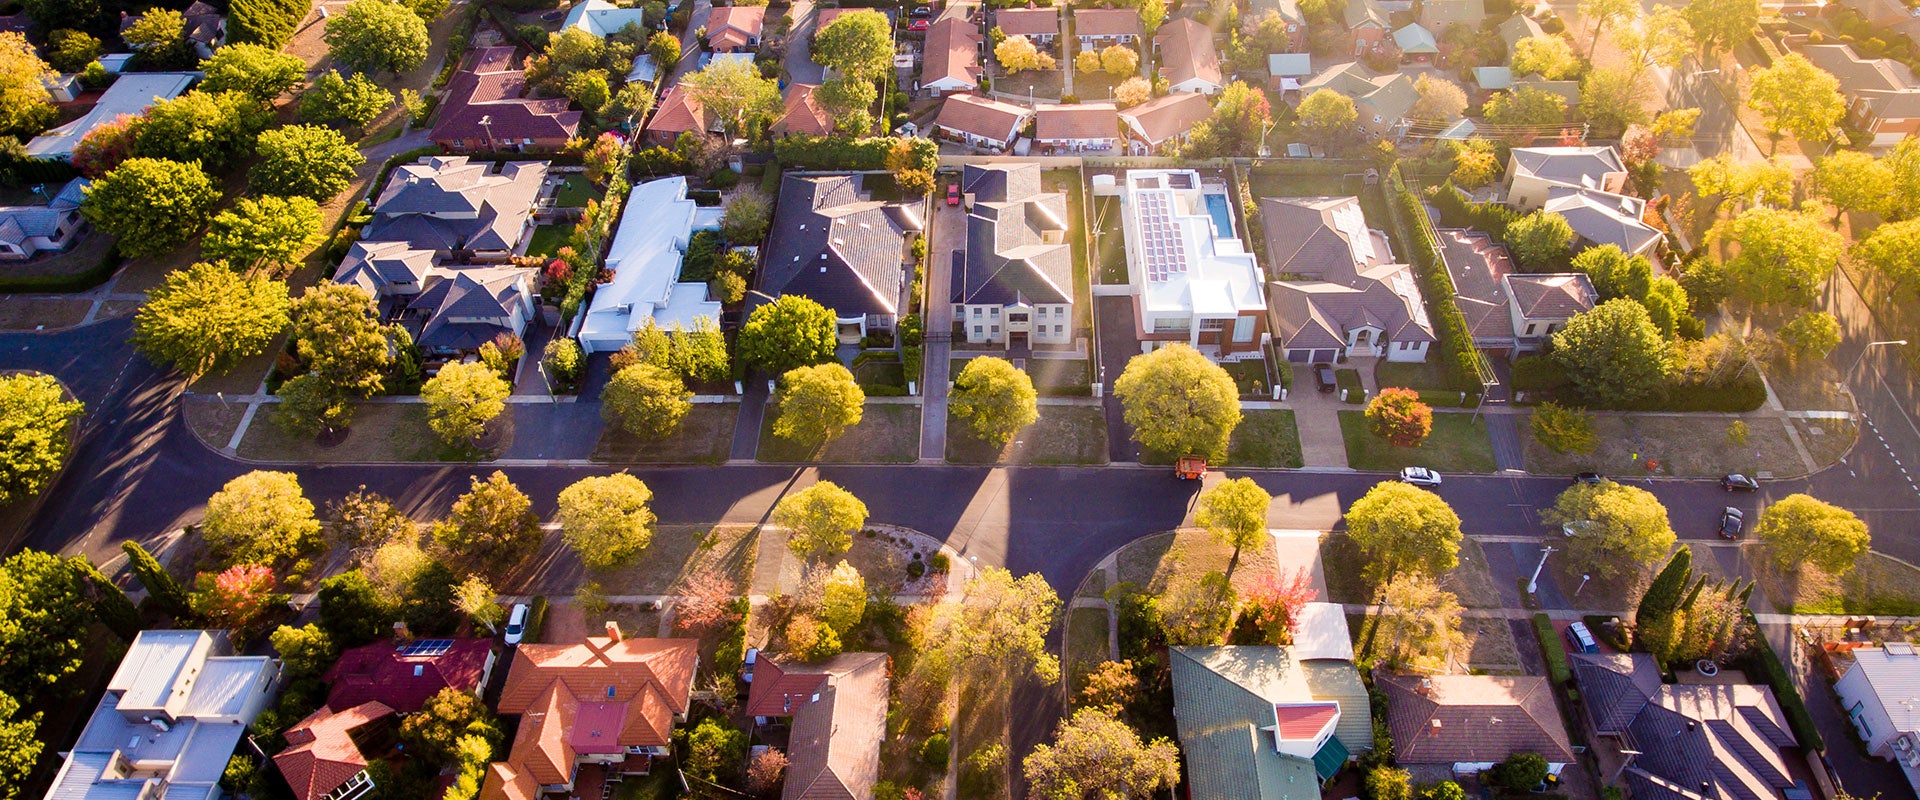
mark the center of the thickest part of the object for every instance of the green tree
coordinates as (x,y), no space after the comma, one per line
(646,401)
(1521,772)
(462,398)
(1000,622)
(150,205)
(1603,13)
(356,101)
(46,616)
(36,422)
(1152,13)
(309,407)
(665,49)
(26,106)
(337,334)
(433,732)
(262,73)
(1812,335)
(1385,782)
(163,590)
(1663,595)
(747,218)
(305,651)
(261,517)
(377,35)
(1119,61)
(1235,512)
(1564,429)
(1398,416)
(1663,39)
(491,527)
(735,93)
(1798,529)
(1769,182)
(1613,354)
(1419,624)
(1719,25)
(1326,116)
(1854,181)
(1440,100)
(1613,98)
(205,318)
(995,398)
(1401,529)
(71,51)
(305,161)
(606,519)
(818,403)
(213,128)
(1527,113)
(822,519)
(267,233)
(1240,114)
(1094,754)
(476,599)
(564,361)
(1540,240)
(1784,256)
(858,44)
(1615,530)
(1550,57)
(1019,54)
(1195,613)
(1178,402)
(843,599)
(351,610)
(1797,97)
(20,746)
(1667,305)
(715,750)
(1613,273)
(1894,250)
(790,332)
(264,22)
(810,640)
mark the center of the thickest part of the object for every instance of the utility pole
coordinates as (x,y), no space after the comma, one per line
(1533,584)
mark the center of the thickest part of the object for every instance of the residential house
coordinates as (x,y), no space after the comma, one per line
(1100,28)
(835,715)
(952,60)
(1518,27)
(841,248)
(1040,25)
(1191,277)
(1285,71)
(1878,691)
(131,94)
(802,114)
(1892,15)
(1015,281)
(1469,723)
(980,121)
(603,707)
(1416,41)
(1438,15)
(1509,312)
(204,27)
(403,675)
(603,19)
(1883,97)
(487,110)
(1493,79)
(1599,218)
(1368,25)
(1161,121)
(323,760)
(464,307)
(825,16)
(736,29)
(1189,59)
(1339,291)
(1076,128)
(26,231)
(174,712)
(457,208)
(386,270)
(676,114)
(1289,13)
(1567,91)
(1268,723)
(1532,171)
(1718,740)
(1382,100)
(645,256)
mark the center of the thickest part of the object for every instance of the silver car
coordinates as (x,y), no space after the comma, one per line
(1420,476)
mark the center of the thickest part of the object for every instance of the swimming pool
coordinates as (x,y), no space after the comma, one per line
(1222,216)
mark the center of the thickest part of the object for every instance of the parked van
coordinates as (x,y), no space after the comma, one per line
(1580,640)
(517,623)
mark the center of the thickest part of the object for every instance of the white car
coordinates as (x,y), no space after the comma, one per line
(517,623)
(1420,476)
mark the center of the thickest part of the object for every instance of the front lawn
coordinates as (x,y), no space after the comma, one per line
(887,433)
(547,239)
(1266,437)
(381,432)
(1458,444)
(705,436)
(1877,585)
(1410,375)
(1251,376)
(1086,645)
(1062,435)
(1691,446)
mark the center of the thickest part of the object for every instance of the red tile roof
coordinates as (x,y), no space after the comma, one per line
(490,88)
(381,671)
(734,27)
(678,113)
(778,692)
(1304,721)
(802,114)
(321,754)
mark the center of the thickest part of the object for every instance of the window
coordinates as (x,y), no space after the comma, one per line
(1057,330)
(611,692)
(976,312)
(1213,324)
(977,330)
(994,312)
(1171,325)
(1529,329)
(996,330)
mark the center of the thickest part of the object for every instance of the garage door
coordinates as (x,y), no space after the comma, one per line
(1325,356)
(1298,356)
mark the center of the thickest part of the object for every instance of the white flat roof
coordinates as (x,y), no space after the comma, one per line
(1178,263)
(131,94)
(645,256)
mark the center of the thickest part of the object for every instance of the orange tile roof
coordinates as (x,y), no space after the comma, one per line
(735,26)
(1187,52)
(321,754)
(952,52)
(802,114)
(1080,121)
(643,683)
(679,113)
(1162,118)
(505,782)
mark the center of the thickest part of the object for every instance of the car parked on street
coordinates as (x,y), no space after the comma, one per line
(1731,521)
(1589,478)
(918,25)
(1739,483)
(1420,476)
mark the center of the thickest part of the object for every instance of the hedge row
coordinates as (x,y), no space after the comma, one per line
(1456,341)
(1557,668)
(822,152)
(23,171)
(1762,658)
(1456,211)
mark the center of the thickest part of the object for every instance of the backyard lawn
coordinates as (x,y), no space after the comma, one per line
(1266,437)
(705,436)
(1458,444)
(574,192)
(547,239)
(1062,435)
(1109,243)
(1067,180)
(888,433)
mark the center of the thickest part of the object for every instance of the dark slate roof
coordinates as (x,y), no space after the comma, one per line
(1718,742)
(490,89)
(1481,718)
(1008,258)
(1553,296)
(426,203)
(836,246)
(456,300)
(374,266)
(1616,686)
(1351,278)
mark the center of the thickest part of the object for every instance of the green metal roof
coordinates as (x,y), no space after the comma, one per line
(1330,758)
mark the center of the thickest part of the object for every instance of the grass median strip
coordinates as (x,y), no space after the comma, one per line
(1458,443)
(1062,435)
(888,433)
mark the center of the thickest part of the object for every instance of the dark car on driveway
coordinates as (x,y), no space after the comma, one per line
(921,12)
(1323,376)
(1739,483)
(1731,521)
(1588,477)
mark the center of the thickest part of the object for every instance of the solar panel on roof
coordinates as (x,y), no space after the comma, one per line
(426,647)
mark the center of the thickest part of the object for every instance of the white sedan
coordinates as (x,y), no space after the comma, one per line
(1420,476)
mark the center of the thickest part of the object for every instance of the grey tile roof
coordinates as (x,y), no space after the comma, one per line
(1552,296)
(1008,258)
(449,203)
(378,266)
(834,744)
(1224,696)
(834,244)
(1616,686)
(1717,742)
(468,307)
(1601,218)
(1350,277)
(1446,719)
(19,223)
(1568,165)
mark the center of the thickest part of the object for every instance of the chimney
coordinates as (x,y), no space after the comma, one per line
(613,631)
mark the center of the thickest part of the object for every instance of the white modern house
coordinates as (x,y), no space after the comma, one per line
(603,19)
(1191,277)
(1881,694)
(131,94)
(645,257)
(173,713)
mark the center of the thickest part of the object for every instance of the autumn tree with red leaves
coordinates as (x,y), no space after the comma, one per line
(1398,416)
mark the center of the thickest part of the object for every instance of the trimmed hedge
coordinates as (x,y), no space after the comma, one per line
(1762,658)
(821,152)
(1456,340)
(1458,212)
(1557,668)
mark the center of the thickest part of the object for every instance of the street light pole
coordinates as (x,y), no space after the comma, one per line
(1533,584)
(1584,577)
(1870,346)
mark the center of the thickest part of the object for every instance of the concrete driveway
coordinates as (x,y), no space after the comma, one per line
(1317,414)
